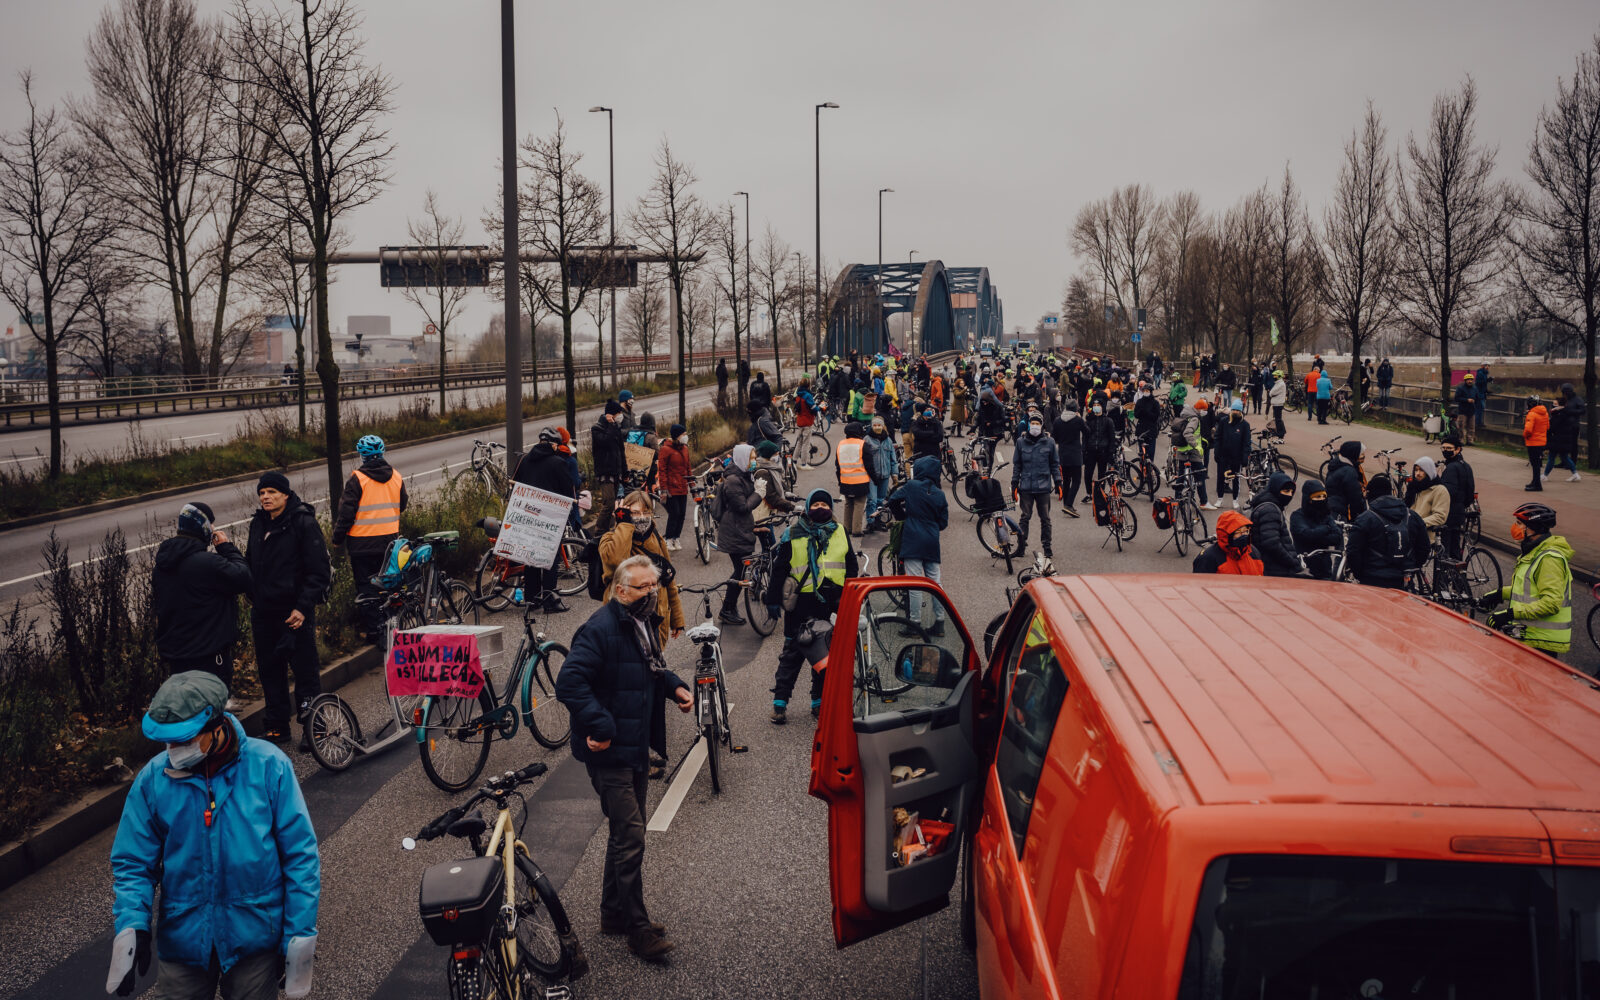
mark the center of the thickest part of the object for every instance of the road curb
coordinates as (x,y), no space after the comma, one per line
(101,808)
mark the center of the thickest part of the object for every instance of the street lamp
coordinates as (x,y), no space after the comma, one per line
(825,104)
(911,258)
(881,193)
(611,157)
(800,262)
(513,291)
(749,334)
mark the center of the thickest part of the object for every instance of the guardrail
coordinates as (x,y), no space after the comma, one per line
(266,392)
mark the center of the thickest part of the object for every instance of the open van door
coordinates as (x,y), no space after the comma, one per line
(895,755)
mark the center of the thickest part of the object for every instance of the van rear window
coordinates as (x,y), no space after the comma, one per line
(1291,927)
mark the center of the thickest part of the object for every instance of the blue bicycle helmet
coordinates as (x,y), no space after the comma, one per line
(369,445)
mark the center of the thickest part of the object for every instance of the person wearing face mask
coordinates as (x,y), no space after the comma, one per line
(1035,474)
(927,433)
(921,504)
(1313,527)
(1189,445)
(1231,554)
(672,471)
(218,819)
(1146,421)
(1233,449)
(1345,481)
(545,467)
(610,462)
(882,456)
(1272,537)
(1429,498)
(1387,541)
(768,480)
(615,685)
(635,534)
(1099,441)
(816,555)
(1277,396)
(733,508)
(1067,432)
(1540,590)
(1457,478)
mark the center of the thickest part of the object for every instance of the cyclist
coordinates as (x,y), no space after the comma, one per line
(927,432)
(1067,430)
(767,479)
(1272,535)
(735,502)
(805,405)
(815,552)
(289,573)
(1189,446)
(1231,553)
(1146,420)
(673,468)
(1345,479)
(1457,478)
(1427,495)
(762,425)
(369,518)
(218,819)
(1387,541)
(959,395)
(1233,448)
(1177,396)
(850,465)
(545,468)
(625,400)
(922,506)
(1035,474)
(1099,444)
(635,534)
(1540,591)
(882,461)
(1313,527)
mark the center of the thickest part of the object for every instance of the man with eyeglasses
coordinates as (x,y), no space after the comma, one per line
(616,684)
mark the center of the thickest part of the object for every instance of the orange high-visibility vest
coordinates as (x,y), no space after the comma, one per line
(852,470)
(378,513)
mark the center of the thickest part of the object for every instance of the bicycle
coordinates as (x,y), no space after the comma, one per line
(500,581)
(1438,424)
(757,571)
(711,687)
(488,466)
(537,661)
(1328,450)
(1265,459)
(1137,475)
(999,534)
(638,481)
(1187,521)
(1339,562)
(496,951)
(1296,398)
(1120,523)
(701,490)
(1341,404)
(1455,583)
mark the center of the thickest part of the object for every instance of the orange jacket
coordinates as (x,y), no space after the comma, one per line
(1311,382)
(1535,427)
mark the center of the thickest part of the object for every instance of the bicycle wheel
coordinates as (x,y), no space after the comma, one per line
(456,742)
(572,573)
(333,730)
(494,582)
(1127,524)
(713,738)
(1482,572)
(755,604)
(813,451)
(1148,479)
(546,947)
(1473,528)
(989,538)
(1195,519)
(890,633)
(458,606)
(1594,626)
(539,698)
(702,534)
(890,565)
(1344,413)
(1322,470)
(958,492)
(1180,535)
(1288,466)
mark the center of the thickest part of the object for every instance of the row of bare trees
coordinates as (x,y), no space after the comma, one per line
(1423,241)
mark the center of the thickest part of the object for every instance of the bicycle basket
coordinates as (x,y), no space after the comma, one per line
(460,900)
(1163,512)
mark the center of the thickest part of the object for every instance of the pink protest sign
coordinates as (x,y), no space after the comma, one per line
(433,663)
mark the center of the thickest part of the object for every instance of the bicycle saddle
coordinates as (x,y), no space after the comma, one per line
(468,826)
(704,632)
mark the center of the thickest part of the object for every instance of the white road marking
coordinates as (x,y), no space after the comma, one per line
(667,809)
(25,458)
(196,437)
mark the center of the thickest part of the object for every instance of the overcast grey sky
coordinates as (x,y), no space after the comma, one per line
(993,121)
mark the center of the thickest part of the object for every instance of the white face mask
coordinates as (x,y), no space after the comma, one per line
(683,439)
(1097,410)
(1035,429)
(185,756)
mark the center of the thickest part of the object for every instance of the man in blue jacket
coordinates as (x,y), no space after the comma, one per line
(922,505)
(219,819)
(1035,474)
(615,684)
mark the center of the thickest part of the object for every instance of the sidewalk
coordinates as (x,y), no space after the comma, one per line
(1500,481)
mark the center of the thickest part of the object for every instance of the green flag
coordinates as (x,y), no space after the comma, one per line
(1274,321)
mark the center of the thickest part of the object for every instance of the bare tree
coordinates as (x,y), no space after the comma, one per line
(434,235)
(1358,232)
(644,310)
(672,223)
(50,226)
(324,152)
(1213,253)
(731,267)
(1558,231)
(1293,272)
(1450,218)
(1248,291)
(149,123)
(105,329)
(278,273)
(562,213)
(1173,270)
(770,289)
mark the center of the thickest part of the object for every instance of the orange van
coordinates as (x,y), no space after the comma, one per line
(1204,788)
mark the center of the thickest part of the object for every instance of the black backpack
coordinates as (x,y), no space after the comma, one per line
(1394,544)
(590,557)
(1175,432)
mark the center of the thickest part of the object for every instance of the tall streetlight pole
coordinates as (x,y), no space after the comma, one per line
(512,263)
(881,192)
(820,325)
(611,184)
(911,258)
(800,262)
(749,291)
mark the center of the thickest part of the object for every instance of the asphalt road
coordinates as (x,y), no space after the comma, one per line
(146,524)
(740,878)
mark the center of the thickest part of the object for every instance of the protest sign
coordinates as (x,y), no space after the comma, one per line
(438,664)
(530,532)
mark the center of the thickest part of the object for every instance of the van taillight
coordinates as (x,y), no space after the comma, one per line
(1578,849)
(1518,846)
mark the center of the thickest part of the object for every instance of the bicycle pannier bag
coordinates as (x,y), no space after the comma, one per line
(970,485)
(1163,511)
(1102,506)
(988,497)
(460,900)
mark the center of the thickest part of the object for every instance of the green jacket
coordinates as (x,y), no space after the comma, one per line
(1547,611)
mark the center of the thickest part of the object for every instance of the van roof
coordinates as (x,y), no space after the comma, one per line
(1306,691)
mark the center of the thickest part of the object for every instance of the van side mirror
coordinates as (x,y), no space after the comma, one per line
(928,665)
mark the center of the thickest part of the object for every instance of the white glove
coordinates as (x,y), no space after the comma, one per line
(297,964)
(761,488)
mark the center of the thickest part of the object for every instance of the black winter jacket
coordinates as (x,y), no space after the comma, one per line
(1068,432)
(1271,535)
(1367,534)
(1346,496)
(737,498)
(809,605)
(761,392)
(379,469)
(193,591)
(612,694)
(1458,481)
(1565,423)
(288,559)
(605,447)
(545,468)
(1146,413)
(1314,528)
(1099,437)
(1232,441)
(926,435)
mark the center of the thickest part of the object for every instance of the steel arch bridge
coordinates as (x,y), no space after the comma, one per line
(975,303)
(864,296)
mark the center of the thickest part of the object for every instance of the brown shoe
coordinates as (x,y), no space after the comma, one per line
(649,945)
(607,929)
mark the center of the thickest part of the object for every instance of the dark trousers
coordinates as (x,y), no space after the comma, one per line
(219,663)
(1147,443)
(676,506)
(364,565)
(605,504)
(280,650)
(622,792)
(1095,466)
(1071,480)
(1031,502)
(1536,456)
(253,977)
(1277,420)
(1197,474)
(1322,410)
(1227,479)
(789,660)
(730,597)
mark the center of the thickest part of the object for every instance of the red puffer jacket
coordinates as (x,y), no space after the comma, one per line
(672,468)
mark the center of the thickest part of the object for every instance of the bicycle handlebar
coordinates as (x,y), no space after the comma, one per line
(511,779)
